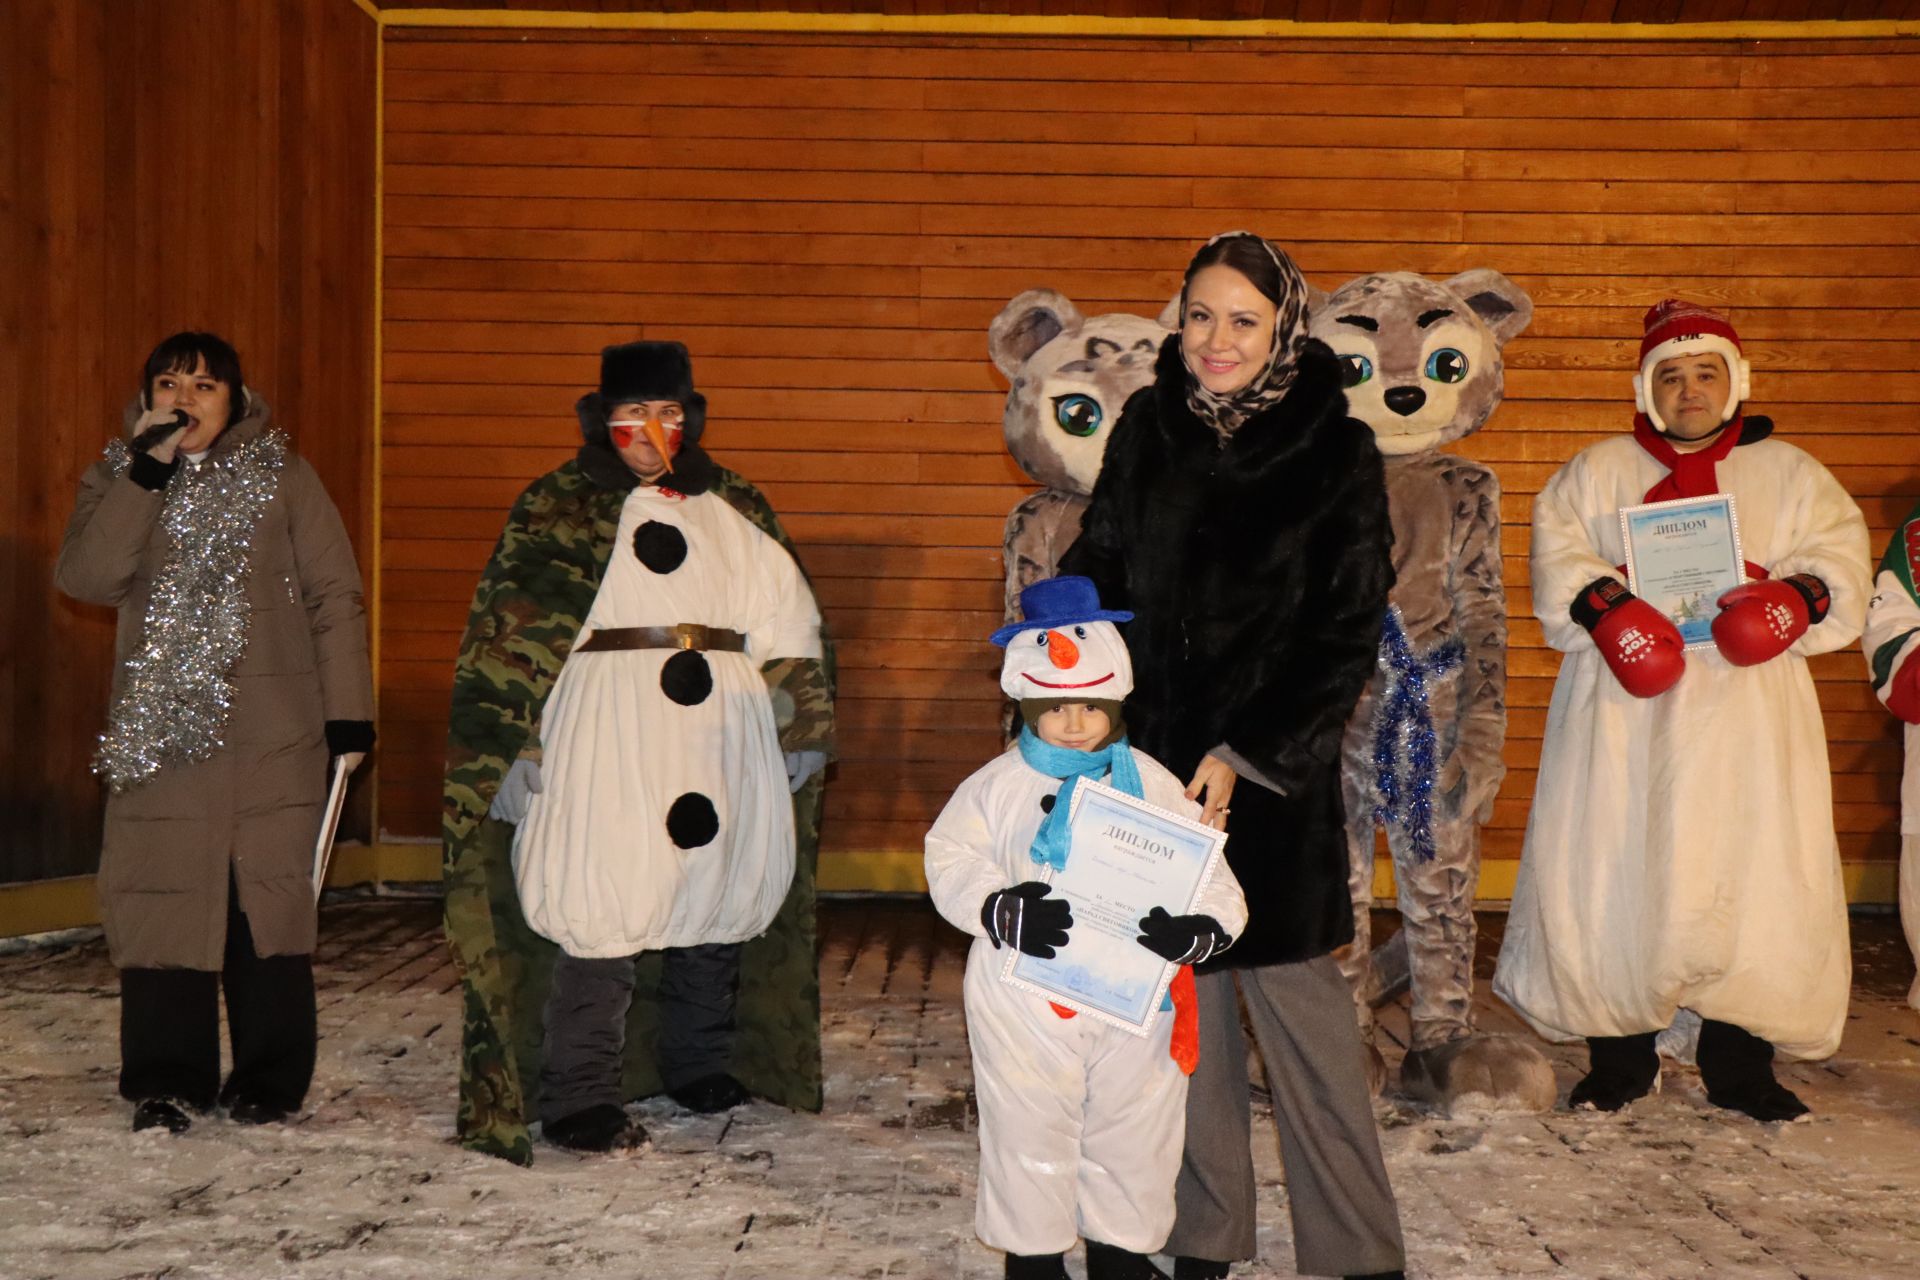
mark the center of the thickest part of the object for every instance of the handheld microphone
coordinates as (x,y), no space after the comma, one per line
(159,431)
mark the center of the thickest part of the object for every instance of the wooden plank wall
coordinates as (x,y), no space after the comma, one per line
(181,164)
(830,223)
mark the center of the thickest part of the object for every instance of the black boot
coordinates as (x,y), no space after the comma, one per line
(1200,1269)
(597,1129)
(710,1095)
(1737,1068)
(1619,1069)
(161,1113)
(1111,1262)
(1036,1266)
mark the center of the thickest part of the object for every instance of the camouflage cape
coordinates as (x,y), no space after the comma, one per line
(527,610)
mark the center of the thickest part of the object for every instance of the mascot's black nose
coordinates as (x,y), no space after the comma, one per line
(1405,400)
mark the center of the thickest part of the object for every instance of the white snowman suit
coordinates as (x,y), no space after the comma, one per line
(1681,850)
(1081,1124)
(629,770)
(1891,640)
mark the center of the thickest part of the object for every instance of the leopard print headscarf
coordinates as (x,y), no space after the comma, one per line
(1225,413)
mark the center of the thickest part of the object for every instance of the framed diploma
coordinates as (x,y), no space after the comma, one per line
(1124,858)
(1681,556)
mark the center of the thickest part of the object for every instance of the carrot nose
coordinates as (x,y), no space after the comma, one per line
(1062,650)
(658,439)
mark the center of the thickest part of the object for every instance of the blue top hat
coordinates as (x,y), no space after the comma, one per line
(1059,602)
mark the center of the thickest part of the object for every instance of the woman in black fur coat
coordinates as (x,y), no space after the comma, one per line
(1242,516)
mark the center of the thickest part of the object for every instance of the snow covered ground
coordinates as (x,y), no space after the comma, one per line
(368,1182)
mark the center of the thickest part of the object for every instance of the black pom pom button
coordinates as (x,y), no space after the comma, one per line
(1046,803)
(692,822)
(686,678)
(660,546)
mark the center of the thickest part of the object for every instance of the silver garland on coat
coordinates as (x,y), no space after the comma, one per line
(177,693)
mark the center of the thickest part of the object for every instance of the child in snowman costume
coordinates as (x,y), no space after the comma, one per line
(1081,1123)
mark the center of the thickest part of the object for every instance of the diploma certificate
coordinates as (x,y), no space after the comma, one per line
(1125,857)
(1681,557)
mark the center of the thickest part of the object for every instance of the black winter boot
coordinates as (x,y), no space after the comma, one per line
(161,1113)
(1737,1068)
(1200,1269)
(710,1095)
(598,1129)
(1111,1262)
(1036,1266)
(1619,1069)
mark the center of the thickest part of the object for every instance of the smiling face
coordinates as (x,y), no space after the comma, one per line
(1226,330)
(1689,394)
(1077,726)
(1077,660)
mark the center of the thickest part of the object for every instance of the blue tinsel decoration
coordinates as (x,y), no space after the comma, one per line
(1405,767)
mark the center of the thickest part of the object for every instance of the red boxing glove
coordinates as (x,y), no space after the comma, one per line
(1641,645)
(1759,621)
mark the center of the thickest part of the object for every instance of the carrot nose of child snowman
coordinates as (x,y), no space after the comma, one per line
(1062,651)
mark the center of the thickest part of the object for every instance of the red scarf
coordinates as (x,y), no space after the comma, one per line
(1689,475)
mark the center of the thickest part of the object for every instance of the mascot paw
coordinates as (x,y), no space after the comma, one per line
(1480,1073)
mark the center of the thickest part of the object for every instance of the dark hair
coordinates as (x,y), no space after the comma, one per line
(184,352)
(1246,254)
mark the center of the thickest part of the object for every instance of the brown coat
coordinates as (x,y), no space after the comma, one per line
(254,806)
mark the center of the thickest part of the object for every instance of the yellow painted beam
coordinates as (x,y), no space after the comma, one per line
(971,24)
(41,906)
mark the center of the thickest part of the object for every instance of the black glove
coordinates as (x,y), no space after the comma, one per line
(344,736)
(1024,918)
(1181,939)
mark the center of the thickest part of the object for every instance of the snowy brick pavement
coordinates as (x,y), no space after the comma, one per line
(369,1184)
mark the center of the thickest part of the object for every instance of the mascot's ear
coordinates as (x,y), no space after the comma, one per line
(1169,316)
(1027,324)
(1502,304)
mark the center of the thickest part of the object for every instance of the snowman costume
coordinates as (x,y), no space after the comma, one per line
(662,819)
(1891,639)
(1081,1123)
(1680,852)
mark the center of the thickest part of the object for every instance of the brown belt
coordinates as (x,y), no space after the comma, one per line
(683,635)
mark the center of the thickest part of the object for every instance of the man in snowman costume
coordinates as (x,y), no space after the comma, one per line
(1681,851)
(1081,1124)
(652,804)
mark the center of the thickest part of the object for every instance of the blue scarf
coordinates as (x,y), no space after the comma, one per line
(1050,846)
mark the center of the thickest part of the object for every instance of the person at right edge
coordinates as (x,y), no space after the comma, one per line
(1681,851)
(1241,516)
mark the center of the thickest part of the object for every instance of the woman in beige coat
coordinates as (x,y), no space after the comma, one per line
(240,665)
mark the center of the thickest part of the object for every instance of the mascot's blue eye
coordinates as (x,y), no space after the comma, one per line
(1447,365)
(1078,415)
(1081,632)
(1355,370)
(1041,639)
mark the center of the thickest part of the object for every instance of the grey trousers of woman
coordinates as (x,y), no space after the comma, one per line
(1345,1221)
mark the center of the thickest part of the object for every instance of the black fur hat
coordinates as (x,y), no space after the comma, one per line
(636,371)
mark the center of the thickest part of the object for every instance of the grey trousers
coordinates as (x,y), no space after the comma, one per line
(1345,1221)
(586,1024)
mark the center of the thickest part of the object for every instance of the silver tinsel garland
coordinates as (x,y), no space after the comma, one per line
(177,692)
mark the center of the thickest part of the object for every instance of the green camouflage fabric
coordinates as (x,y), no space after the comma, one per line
(527,610)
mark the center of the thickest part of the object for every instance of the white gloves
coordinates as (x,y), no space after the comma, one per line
(802,765)
(517,791)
